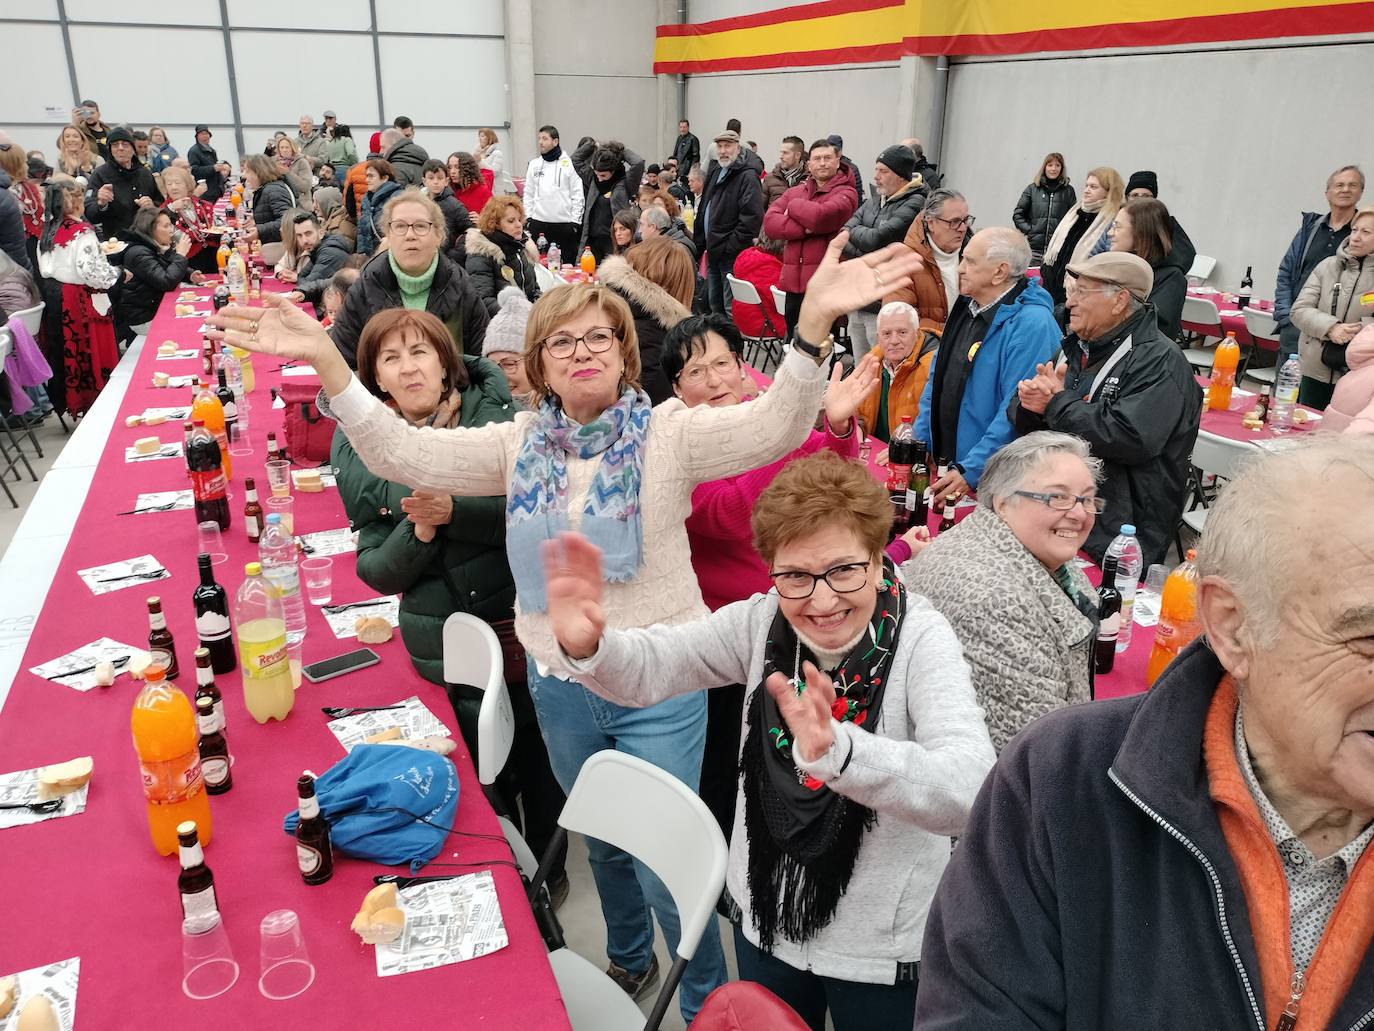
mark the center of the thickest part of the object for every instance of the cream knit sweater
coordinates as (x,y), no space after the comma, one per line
(683,447)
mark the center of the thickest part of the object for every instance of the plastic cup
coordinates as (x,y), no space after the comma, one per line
(279,478)
(1154,579)
(284,507)
(207,960)
(318,574)
(209,541)
(286,967)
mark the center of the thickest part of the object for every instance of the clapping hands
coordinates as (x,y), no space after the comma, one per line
(1035,393)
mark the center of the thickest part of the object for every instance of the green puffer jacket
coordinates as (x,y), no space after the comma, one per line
(464,569)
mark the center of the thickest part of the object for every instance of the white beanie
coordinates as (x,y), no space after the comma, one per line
(506,330)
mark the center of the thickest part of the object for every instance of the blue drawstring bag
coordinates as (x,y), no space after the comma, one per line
(387,803)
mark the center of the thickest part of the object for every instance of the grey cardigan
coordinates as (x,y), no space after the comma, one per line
(919,769)
(1027,644)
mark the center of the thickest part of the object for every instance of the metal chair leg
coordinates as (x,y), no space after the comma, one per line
(19,455)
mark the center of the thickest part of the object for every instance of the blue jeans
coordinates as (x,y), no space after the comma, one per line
(671,735)
(717,289)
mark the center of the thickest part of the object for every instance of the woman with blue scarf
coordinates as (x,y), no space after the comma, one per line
(595,457)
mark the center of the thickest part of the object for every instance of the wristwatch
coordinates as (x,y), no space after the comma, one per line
(817,352)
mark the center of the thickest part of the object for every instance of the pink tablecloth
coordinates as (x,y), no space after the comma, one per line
(1232,318)
(1228,422)
(92,886)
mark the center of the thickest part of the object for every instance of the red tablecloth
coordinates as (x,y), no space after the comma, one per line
(92,886)
(1232,318)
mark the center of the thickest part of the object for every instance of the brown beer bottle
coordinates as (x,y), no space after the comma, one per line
(214,749)
(205,686)
(273,451)
(160,637)
(947,518)
(252,511)
(195,882)
(313,851)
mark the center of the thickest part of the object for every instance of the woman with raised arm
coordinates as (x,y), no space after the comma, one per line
(596,457)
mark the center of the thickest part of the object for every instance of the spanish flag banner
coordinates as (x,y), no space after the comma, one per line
(838,32)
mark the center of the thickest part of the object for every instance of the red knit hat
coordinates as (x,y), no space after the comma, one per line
(375,144)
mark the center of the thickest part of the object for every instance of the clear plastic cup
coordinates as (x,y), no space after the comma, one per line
(210,541)
(285,962)
(240,443)
(284,507)
(279,477)
(318,574)
(1154,579)
(207,959)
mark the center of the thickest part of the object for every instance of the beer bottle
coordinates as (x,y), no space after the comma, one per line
(160,637)
(205,686)
(195,882)
(212,618)
(313,851)
(947,516)
(207,359)
(1108,617)
(1262,404)
(214,749)
(252,510)
(273,452)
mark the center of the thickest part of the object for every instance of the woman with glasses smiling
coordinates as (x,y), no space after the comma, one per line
(412,272)
(594,456)
(861,745)
(1005,579)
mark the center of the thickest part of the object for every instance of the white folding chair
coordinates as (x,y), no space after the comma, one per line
(11,454)
(32,318)
(769,343)
(1198,311)
(653,816)
(1265,333)
(1215,456)
(1201,269)
(780,302)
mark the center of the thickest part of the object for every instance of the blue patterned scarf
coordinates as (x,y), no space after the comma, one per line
(537,505)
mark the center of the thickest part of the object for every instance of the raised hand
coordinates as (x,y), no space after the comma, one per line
(573,587)
(844,395)
(837,288)
(277,328)
(807,714)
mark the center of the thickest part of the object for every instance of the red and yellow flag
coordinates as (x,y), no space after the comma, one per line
(858,31)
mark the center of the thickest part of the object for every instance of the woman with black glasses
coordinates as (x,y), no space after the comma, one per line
(1005,578)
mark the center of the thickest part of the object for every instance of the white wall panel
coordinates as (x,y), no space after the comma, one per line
(444,81)
(44,9)
(138,74)
(183,12)
(477,17)
(335,14)
(35,72)
(1236,188)
(280,77)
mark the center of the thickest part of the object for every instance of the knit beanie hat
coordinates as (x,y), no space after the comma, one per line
(899,159)
(374,145)
(119,134)
(1147,180)
(506,330)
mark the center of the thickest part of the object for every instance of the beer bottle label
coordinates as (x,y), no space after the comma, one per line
(215,769)
(910,499)
(199,903)
(308,858)
(251,524)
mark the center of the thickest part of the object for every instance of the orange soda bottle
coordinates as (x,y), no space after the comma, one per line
(1224,365)
(207,406)
(222,255)
(1178,622)
(164,729)
(588,262)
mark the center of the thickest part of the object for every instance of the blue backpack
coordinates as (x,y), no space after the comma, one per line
(387,803)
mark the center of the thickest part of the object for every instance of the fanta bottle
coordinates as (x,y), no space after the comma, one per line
(222,255)
(588,262)
(1224,364)
(263,656)
(164,729)
(1178,622)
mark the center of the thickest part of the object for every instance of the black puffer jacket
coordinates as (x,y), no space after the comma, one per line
(601,201)
(313,275)
(451,297)
(733,208)
(655,310)
(156,272)
(875,224)
(457,221)
(270,202)
(1039,210)
(407,159)
(489,257)
(129,184)
(203,160)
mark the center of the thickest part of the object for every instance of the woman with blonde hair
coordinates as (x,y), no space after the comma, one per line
(1081,227)
(75,157)
(1044,203)
(656,279)
(488,155)
(295,166)
(191,215)
(272,196)
(500,254)
(160,153)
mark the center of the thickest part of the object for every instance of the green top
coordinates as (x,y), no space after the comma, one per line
(414,289)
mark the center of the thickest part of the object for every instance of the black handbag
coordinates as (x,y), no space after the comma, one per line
(1333,354)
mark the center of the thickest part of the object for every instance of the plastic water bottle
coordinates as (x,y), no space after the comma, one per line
(1129,562)
(555,257)
(236,278)
(1286,394)
(277,552)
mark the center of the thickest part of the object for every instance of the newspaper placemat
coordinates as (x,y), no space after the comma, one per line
(343,619)
(413,720)
(298,370)
(57,981)
(189,352)
(171,449)
(328,542)
(1145,609)
(165,501)
(102,649)
(446,922)
(21,788)
(169,414)
(118,575)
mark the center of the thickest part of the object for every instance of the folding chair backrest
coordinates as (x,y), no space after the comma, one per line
(742,290)
(1199,311)
(1201,269)
(472,655)
(1219,455)
(653,816)
(1263,331)
(779,297)
(32,318)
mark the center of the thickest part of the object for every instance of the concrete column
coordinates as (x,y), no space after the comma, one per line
(668,113)
(524,122)
(917,96)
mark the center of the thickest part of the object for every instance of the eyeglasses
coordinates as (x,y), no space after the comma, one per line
(509,364)
(695,375)
(1061,502)
(956,223)
(842,579)
(1074,290)
(422,229)
(564,345)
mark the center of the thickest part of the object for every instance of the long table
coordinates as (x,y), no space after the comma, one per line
(92,886)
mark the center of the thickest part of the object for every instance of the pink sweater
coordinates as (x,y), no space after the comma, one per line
(719,532)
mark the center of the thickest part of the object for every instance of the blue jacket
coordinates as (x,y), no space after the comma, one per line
(1023,334)
(1286,290)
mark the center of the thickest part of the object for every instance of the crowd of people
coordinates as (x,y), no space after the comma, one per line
(686,558)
